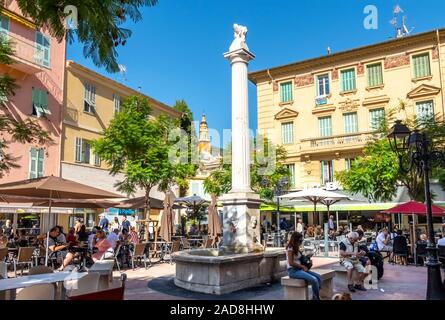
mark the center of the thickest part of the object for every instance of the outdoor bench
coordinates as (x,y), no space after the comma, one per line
(297,289)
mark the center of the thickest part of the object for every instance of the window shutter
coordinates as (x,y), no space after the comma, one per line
(33,163)
(422,66)
(286,92)
(350,122)
(40,161)
(4,26)
(44,101)
(86,150)
(325,126)
(78,150)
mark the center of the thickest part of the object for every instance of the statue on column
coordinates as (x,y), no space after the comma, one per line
(239,41)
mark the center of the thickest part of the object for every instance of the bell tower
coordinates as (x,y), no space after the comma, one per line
(204,140)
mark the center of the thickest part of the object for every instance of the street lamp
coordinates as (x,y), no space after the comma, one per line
(283,182)
(416,147)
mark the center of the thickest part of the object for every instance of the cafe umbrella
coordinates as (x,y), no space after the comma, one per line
(51,188)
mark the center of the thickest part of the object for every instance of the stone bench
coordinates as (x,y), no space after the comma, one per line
(341,274)
(297,289)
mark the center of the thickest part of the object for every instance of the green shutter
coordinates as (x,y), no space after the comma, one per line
(350,122)
(4,26)
(43,50)
(348,80)
(376,116)
(286,92)
(425,110)
(375,76)
(40,160)
(33,158)
(325,126)
(422,66)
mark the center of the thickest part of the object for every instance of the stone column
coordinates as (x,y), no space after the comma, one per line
(241,222)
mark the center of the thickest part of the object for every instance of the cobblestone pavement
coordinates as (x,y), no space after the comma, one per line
(156,283)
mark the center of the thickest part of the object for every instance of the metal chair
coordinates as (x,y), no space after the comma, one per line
(24,257)
(421,252)
(175,248)
(116,254)
(185,244)
(442,255)
(208,243)
(139,253)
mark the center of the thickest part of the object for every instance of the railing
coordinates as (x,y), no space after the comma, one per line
(334,141)
(24,51)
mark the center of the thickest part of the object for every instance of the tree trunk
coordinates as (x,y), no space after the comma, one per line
(147,213)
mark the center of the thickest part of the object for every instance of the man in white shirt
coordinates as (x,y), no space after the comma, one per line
(331,224)
(300,226)
(113,238)
(441,242)
(91,237)
(384,241)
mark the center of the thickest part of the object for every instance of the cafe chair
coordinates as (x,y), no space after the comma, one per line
(109,294)
(176,245)
(442,255)
(3,254)
(421,252)
(24,257)
(44,291)
(400,250)
(208,243)
(139,254)
(116,255)
(185,244)
(3,270)
(40,270)
(85,285)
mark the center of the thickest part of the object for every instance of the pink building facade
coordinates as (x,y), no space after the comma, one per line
(39,64)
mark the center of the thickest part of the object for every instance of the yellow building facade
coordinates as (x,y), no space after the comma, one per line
(324,110)
(91,101)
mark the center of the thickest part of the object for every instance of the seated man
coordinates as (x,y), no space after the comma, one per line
(441,241)
(113,238)
(400,246)
(350,259)
(91,237)
(384,242)
(58,247)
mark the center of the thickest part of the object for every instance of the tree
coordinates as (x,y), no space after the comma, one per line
(140,147)
(376,173)
(266,171)
(188,169)
(99,24)
(13,129)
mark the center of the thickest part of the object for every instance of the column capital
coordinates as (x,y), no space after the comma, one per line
(239,55)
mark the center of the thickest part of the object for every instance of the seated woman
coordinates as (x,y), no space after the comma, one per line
(298,271)
(103,246)
(71,239)
(22,240)
(400,247)
(82,235)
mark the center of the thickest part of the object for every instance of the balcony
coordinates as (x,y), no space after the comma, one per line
(27,57)
(342,142)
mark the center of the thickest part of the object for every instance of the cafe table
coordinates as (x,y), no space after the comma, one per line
(9,286)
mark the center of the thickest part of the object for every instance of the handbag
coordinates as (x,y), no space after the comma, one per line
(306,261)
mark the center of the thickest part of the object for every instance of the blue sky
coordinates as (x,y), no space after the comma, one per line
(176,51)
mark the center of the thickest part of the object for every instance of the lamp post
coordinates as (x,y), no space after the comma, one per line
(278,190)
(416,148)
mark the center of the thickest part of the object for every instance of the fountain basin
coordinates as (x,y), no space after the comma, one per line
(214,272)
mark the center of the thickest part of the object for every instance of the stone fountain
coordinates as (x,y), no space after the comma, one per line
(241,262)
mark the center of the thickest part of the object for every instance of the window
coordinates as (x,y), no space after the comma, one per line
(425,110)
(348,163)
(323,88)
(36,159)
(90,98)
(326,172)
(348,80)
(375,75)
(287,132)
(40,102)
(291,168)
(422,66)
(97,160)
(286,92)
(350,122)
(376,116)
(4,27)
(43,50)
(117,102)
(83,150)
(325,126)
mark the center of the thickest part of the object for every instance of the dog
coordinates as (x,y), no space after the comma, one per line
(342,296)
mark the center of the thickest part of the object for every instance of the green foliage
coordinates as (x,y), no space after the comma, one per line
(12,129)
(99,24)
(141,147)
(267,169)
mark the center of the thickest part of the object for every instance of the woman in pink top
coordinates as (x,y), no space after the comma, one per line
(104,247)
